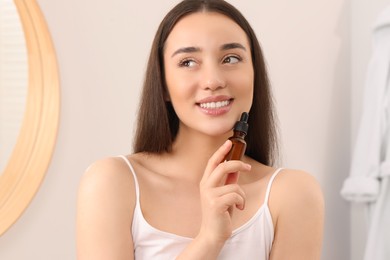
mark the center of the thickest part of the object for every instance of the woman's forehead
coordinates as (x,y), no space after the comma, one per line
(205,29)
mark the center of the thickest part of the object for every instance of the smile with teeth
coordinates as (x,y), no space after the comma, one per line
(215,105)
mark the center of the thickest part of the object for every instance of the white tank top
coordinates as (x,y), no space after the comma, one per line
(253,240)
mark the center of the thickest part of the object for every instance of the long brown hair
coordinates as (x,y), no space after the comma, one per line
(158,124)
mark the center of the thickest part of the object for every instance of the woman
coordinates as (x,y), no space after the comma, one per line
(169,199)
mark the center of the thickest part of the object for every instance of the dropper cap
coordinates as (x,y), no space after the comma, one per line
(242,125)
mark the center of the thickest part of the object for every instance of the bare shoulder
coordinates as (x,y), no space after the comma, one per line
(107,174)
(296,186)
(107,183)
(105,204)
(297,208)
(107,167)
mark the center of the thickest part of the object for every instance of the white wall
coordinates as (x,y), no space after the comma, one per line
(307,47)
(102,47)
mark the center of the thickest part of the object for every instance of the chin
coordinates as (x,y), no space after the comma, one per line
(219,132)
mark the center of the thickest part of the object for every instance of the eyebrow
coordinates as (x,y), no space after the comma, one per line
(233,45)
(186,50)
(224,47)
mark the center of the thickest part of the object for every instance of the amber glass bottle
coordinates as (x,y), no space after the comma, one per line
(238,139)
(237,151)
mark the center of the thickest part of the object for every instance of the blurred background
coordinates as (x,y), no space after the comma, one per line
(317,54)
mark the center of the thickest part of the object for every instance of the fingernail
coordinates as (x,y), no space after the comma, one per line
(248,166)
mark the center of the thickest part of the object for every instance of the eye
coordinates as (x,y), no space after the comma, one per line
(232,59)
(187,63)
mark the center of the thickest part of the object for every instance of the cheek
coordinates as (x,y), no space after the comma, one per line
(249,96)
(244,83)
(180,85)
(245,89)
(177,89)
(249,82)
(179,92)
(173,83)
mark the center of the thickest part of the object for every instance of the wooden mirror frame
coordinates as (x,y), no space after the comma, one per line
(32,153)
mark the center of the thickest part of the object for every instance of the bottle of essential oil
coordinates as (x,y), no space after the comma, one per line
(240,130)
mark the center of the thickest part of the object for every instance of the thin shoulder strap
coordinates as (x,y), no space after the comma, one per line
(134,175)
(270,184)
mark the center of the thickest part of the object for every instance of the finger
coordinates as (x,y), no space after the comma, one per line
(231,188)
(218,176)
(232,178)
(232,200)
(216,158)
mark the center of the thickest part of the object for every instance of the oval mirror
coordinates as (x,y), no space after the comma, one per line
(33,108)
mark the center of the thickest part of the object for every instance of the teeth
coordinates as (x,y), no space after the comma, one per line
(212,105)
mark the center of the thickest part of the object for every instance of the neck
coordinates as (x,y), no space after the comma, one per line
(193,150)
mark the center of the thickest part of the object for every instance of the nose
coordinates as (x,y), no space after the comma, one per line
(212,78)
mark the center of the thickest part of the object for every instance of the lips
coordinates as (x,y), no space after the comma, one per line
(215,101)
(215,105)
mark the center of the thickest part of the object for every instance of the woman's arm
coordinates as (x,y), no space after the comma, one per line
(105,207)
(297,206)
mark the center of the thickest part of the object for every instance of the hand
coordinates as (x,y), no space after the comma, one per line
(217,198)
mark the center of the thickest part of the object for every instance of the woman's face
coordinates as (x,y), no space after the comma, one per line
(208,72)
